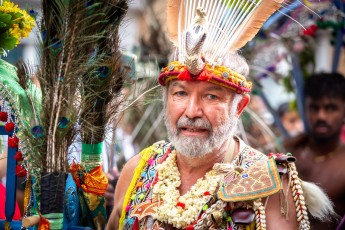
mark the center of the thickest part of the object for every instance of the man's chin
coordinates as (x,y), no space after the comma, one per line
(192,154)
(192,147)
(187,141)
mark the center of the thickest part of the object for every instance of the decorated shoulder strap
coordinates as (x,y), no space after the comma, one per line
(262,179)
(144,162)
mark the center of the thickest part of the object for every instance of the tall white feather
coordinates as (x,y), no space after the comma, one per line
(232,23)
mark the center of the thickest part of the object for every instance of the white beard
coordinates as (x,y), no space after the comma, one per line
(194,147)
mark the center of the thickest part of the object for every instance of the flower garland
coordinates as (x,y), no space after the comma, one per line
(181,211)
(15,24)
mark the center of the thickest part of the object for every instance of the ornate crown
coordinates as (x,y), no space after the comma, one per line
(206,32)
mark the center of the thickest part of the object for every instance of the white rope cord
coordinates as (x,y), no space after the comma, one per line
(297,193)
(260,215)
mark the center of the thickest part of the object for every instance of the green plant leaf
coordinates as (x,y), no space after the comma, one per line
(17,15)
(5,18)
(3,25)
(8,43)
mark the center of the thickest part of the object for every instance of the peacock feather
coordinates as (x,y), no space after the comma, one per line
(79,75)
(77,81)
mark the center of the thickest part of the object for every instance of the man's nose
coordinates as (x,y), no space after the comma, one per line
(322,115)
(194,107)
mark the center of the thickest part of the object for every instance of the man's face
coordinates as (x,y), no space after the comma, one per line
(325,117)
(292,122)
(199,116)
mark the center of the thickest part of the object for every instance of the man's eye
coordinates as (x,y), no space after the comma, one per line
(180,93)
(313,108)
(211,97)
(331,108)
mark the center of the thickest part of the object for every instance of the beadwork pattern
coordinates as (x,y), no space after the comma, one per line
(219,75)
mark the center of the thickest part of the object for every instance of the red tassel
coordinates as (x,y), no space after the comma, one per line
(3,116)
(204,75)
(13,142)
(185,76)
(18,156)
(20,171)
(9,126)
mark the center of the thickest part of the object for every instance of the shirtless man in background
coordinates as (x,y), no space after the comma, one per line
(320,152)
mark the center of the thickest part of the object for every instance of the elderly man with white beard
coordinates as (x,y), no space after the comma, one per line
(205,177)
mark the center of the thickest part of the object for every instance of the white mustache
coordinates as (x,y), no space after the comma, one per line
(195,123)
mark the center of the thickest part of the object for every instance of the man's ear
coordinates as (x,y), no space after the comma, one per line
(242,104)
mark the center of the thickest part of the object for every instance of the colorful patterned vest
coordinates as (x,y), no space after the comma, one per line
(237,204)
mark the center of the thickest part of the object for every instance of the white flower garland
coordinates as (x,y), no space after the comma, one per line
(170,209)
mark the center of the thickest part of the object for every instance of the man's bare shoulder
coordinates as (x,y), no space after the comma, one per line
(121,189)
(132,163)
(342,150)
(335,161)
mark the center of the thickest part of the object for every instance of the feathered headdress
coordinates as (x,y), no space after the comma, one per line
(207,31)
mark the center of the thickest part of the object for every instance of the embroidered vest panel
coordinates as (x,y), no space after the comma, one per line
(141,192)
(258,177)
(233,191)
